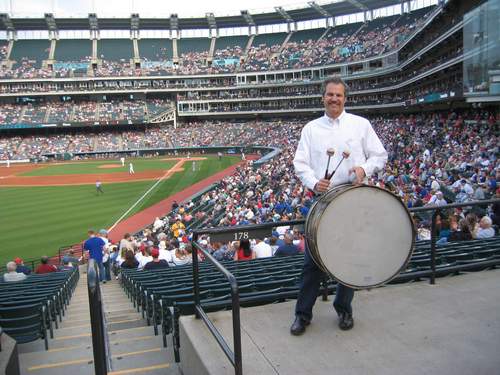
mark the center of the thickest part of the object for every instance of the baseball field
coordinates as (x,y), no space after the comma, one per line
(46,206)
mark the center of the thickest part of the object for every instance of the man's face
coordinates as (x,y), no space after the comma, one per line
(334,99)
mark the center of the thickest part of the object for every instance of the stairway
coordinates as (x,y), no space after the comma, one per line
(132,344)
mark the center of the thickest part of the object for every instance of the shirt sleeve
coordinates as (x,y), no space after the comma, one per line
(375,153)
(302,160)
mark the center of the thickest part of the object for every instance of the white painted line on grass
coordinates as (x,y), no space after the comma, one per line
(169,172)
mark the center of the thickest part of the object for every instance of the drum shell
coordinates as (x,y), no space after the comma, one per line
(313,221)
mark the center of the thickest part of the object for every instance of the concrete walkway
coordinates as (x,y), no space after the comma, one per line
(450,328)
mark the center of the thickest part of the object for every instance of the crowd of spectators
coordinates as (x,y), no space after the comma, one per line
(430,157)
(82,111)
(352,44)
(434,159)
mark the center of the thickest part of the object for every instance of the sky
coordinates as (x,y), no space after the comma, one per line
(145,8)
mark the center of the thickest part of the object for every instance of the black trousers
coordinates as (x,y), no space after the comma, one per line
(309,287)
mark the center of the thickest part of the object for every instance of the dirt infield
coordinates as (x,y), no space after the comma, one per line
(10,176)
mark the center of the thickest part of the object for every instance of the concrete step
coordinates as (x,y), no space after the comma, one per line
(75,320)
(128,311)
(117,318)
(131,333)
(141,358)
(75,330)
(80,341)
(76,352)
(114,307)
(145,361)
(161,369)
(126,324)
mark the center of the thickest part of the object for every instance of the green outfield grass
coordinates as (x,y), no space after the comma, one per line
(92,167)
(38,220)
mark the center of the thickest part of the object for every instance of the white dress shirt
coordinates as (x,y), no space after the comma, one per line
(348,132)
(263,250)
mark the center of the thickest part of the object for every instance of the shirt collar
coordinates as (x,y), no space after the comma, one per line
(335,121)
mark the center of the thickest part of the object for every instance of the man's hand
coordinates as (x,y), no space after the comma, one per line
(360,175)
(322,185)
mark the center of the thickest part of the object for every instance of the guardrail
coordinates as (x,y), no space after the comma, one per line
(235,357)
(225,234)
(97,320)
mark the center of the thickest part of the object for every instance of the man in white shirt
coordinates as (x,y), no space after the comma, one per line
(262,249)
(434,184)
(12,275)
(485,229)
(437,199)
(343,132)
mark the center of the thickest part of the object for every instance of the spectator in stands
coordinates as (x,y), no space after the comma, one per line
(71,258)
(443,226)
(45,267)
(485,229)
(127,242)
(21,268)
(224,251)
(183,254)
(273,243)
(156,262)
(66,266)
(262,249)
(175,206)
(460,232)
(12,275)
(288,248)
(437,199)
(244,251)
(130,261)
(495,209)
(147,256)
(94,246)
(178,228)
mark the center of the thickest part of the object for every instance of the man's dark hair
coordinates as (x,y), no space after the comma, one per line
(45,259)
(336,80)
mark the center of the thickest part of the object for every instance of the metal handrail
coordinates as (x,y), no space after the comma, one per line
(97,320)
(246,231)
(234,357)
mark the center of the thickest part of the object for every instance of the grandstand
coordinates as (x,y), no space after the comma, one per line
(238,90)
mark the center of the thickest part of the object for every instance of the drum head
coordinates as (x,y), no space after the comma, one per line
(364,237)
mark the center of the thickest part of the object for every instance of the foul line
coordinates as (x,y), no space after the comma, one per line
(169,172)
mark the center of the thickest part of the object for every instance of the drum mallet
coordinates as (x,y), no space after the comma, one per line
(345,155)
(330,152)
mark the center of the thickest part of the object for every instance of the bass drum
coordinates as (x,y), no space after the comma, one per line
(363,236)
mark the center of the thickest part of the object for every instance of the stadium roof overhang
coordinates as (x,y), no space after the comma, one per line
(306,13)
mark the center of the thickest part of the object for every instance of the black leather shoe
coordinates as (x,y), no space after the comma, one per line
(346,321)
(299,326)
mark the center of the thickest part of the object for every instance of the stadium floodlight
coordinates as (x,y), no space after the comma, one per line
(358,5)
(211,20)
(248,18)
(51,22)
(174,21)
(134,21)
(94,25)
(284,14)
(5,18)
(319,9)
